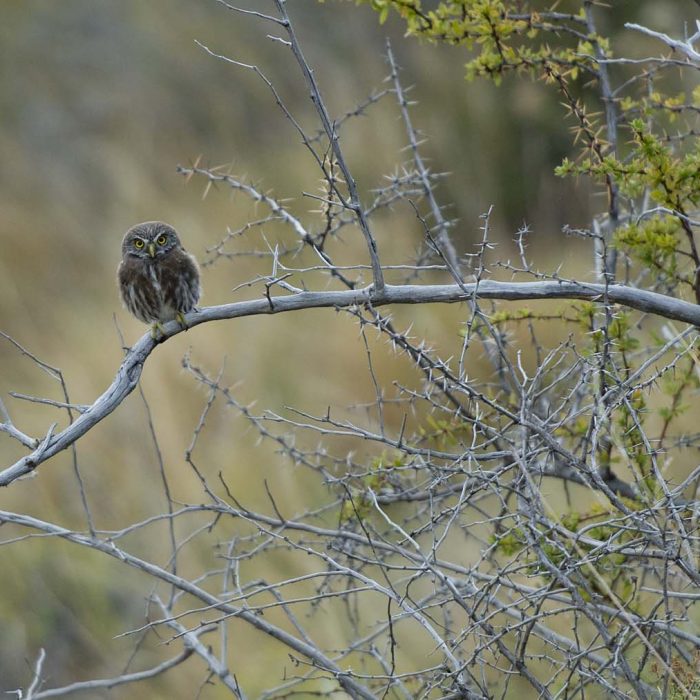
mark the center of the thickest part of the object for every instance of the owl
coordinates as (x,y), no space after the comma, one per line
(158,278)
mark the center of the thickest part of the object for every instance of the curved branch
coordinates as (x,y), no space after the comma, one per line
(118,680)
(128,375)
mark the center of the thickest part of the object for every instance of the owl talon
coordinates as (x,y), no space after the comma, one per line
(157,331)
(181,320)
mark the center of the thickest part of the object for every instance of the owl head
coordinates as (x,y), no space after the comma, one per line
(150,240)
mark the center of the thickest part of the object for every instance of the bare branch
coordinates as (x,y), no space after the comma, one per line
(685,47)
(130,370)
(344,678)
(332,135)
(122,679)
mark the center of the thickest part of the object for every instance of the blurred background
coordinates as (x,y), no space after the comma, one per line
(100,101)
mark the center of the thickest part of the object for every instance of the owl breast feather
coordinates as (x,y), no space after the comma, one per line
(160,289)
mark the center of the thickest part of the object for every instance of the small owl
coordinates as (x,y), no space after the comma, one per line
(158,278)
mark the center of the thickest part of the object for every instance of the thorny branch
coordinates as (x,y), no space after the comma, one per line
(129,373)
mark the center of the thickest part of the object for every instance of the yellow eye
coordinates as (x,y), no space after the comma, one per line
(138,243)
(161,240)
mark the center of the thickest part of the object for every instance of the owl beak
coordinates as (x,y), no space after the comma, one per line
(151,249)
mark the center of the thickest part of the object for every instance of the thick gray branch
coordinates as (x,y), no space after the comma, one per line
(130,370)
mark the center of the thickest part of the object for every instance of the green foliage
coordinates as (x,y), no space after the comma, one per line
(510,542)
(358,504)
(672,181)
(585,313)
(444,432)
(619,331)
(501,317)
(504,38)
(612,572)
(663,242)
(654,242)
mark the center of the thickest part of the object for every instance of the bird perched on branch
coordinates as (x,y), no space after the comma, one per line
(158,278)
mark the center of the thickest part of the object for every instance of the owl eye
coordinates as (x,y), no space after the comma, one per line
(138,243)
(161,240)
